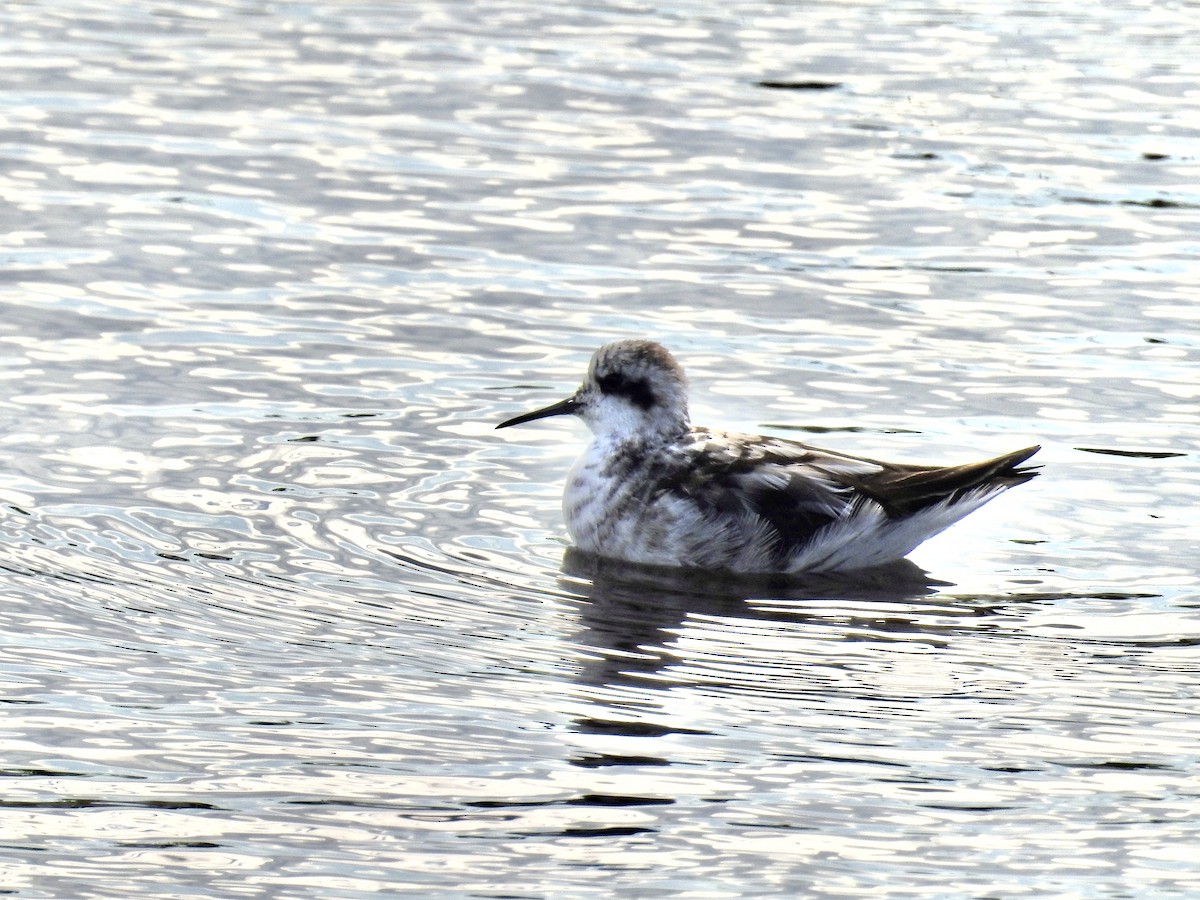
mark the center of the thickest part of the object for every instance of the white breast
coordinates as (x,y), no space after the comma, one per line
(616,516)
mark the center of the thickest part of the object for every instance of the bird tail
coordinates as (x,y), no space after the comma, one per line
(920,487)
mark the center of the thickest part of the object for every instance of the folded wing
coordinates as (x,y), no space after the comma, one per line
(793,491)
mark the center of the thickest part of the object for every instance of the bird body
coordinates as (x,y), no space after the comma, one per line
(652,489)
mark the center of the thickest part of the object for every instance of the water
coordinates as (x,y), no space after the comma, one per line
(285,617)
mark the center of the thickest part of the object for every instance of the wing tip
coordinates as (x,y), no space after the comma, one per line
(1009,469)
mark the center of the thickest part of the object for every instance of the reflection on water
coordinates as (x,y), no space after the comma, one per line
(634,614)
(282,617)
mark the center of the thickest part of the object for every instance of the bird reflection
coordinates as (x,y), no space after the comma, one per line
(634,612)
(635,622)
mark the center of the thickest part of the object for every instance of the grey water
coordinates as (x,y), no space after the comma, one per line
(282,614)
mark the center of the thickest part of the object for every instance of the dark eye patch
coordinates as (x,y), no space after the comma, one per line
(636,390)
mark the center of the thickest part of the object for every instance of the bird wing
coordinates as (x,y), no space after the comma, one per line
(796,488)
(793,488)
(905,489)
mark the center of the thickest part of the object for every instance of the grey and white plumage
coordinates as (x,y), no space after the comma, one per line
(650,488)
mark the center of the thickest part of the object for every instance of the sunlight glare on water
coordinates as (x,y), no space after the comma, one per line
(286,617)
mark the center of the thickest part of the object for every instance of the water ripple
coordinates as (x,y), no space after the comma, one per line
(285,618)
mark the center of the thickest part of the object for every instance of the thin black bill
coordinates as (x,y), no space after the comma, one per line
(561,408)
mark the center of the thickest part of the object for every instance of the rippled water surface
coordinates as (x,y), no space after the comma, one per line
(285,617)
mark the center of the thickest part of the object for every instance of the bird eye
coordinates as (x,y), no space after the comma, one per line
(636,390)
(611,383)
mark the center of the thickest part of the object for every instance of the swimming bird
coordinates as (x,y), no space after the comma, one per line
(653,489)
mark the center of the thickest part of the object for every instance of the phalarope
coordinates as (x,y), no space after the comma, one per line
(653,489)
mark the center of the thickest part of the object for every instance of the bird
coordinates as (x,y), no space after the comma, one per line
(653,489)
